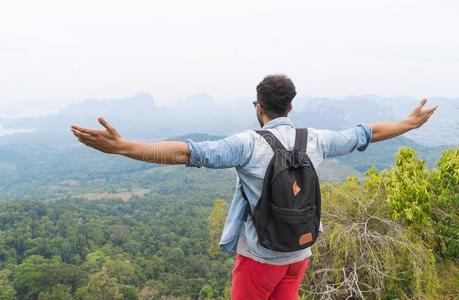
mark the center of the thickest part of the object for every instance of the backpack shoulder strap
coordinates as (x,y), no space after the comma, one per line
(271,139)
(247,210)
(301,140)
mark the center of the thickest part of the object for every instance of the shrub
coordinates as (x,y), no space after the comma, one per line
(364,253)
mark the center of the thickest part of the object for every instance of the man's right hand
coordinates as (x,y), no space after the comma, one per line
(110,141)
(107,141)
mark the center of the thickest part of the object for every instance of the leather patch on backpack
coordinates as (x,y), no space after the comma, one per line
(305,238)
(296,188)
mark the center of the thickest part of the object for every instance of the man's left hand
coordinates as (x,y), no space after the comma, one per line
(419,116)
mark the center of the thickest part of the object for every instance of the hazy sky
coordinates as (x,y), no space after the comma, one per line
(56,52)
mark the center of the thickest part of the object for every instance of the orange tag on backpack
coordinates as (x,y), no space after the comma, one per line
(295,188)
(305,238)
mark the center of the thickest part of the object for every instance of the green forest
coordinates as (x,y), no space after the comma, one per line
(391,234)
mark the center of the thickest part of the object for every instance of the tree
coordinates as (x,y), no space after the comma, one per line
(409,189)
(129,292)
(216,222)
(206,293)
(149,291)
(427,200)
(100,287)
(445,212)
(94,261)
(37,274)
(31,277)
(122,270)
(58,292)
(7,291)
(363,254)
(118,234)
(175,259)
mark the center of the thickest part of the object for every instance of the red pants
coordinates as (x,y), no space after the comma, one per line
(253,280)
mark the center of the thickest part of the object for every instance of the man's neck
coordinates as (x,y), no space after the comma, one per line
(271,120)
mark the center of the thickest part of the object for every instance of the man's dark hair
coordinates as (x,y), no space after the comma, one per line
(275,93)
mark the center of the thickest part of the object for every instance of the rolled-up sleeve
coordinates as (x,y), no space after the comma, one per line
(232,151)
(336,143)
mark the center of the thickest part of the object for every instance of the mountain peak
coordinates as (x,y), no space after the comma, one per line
(129,106)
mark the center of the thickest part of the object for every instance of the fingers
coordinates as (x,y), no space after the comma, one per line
(430,110)
(102,122)
(420,106)
(82,135)
(107,126)
(419,111)
(431,113)
(94,138)
(85,130)
(86,139)
(426,114)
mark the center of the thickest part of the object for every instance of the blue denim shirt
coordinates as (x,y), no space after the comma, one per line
(250,155)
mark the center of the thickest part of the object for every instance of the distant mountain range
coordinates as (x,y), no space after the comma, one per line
(47,160)
(140,117)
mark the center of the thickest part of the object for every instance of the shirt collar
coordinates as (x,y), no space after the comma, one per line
(278,122)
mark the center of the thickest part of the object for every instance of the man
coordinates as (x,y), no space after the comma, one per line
(259,273)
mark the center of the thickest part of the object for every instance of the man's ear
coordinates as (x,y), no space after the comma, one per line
(260,110)
(290,107)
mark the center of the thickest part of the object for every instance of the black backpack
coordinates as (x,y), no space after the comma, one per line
(287,215)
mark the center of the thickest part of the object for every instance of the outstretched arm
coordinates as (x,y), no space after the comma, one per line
(386,130)
(232,151)
(109,140)
(336,143)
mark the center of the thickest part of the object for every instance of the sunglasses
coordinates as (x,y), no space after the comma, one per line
(255,104)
